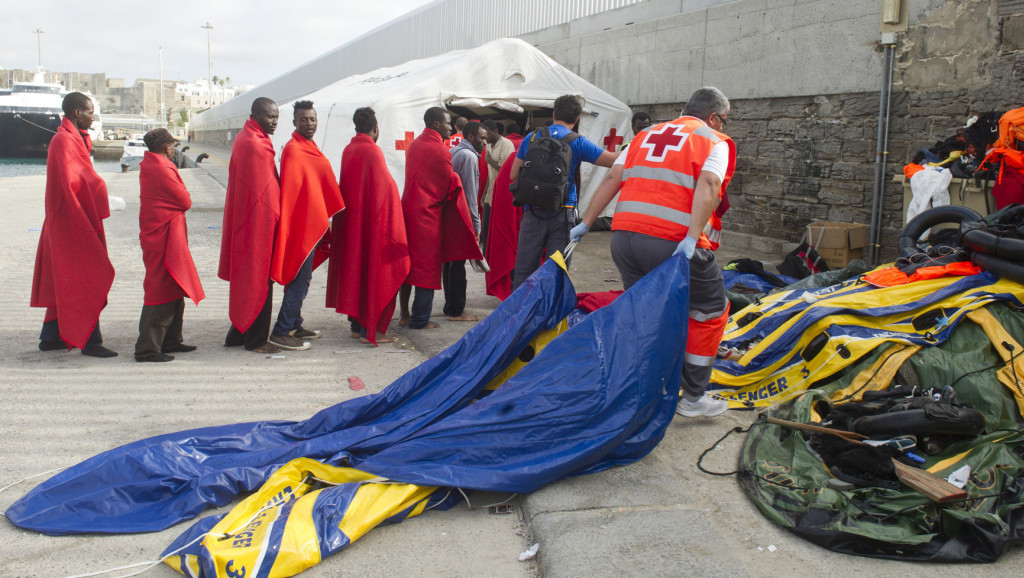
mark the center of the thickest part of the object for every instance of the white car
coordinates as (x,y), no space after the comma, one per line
(134,150)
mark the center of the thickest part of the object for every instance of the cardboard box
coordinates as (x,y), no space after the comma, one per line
(838,243)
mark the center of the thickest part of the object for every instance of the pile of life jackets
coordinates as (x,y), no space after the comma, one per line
(990,146)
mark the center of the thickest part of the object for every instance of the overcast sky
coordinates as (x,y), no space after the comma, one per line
(252,40)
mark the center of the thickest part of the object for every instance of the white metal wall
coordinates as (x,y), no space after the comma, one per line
(433,29)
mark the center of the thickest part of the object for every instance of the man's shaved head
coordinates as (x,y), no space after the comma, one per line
(75,101)
(260,104)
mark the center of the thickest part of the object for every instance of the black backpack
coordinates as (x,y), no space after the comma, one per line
(544,176)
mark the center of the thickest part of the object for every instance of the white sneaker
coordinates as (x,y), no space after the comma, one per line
(703,407)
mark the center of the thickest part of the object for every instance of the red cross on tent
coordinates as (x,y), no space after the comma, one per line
(612,141)
(659,142)
(401,145)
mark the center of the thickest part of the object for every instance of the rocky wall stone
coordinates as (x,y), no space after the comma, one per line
(809,158)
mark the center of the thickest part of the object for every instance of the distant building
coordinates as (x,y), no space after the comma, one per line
(139,101)
(198,96)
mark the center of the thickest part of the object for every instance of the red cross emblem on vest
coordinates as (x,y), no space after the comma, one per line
(659,142)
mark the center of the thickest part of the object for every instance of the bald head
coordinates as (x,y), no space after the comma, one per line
(260,104)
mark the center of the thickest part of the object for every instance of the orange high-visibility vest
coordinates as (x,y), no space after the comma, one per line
(659,177)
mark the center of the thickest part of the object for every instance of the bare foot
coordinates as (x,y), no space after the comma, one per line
(464,317)
(404,320)
(267,349)
(354,335)
(380,339)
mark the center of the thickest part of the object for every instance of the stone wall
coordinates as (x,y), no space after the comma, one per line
(802,159)
(812,157)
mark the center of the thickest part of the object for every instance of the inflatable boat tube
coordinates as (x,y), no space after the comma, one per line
(967,422)
(979,240)
(907,242)
(1006,269)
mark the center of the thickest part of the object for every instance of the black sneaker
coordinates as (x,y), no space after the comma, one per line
(53,345)
(156,357)
(289,342)
(98,351)
(178,348)
(303,333)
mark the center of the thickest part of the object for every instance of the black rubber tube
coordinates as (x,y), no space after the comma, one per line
(1006,269)
(981,241)
(969,422)
(907,243)
(201,157)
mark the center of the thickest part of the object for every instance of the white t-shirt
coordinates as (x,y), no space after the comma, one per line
(717,162)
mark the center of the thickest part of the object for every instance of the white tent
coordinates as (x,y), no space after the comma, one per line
(506,75)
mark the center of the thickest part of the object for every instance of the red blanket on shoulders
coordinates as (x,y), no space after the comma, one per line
(73,273)
(437,219)
(252,208)
(369,252)
(170,271)
(309,198)
(503,234)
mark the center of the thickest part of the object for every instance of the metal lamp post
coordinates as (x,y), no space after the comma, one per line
(39,45)
(209,61)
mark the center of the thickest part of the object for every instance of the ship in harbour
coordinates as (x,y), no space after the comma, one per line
(30,113)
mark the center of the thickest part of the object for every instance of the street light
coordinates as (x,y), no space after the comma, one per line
(209,60)
(39,45)
(162,119)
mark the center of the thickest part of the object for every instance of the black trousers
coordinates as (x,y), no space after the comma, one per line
(257,334)
(422,305)
(51,332)
(159,327)
(453,280)
(541,234)
(485,224)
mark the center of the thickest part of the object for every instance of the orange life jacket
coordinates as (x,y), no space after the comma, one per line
(660,174)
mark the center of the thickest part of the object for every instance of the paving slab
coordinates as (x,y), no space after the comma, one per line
(618,542)
(60,408)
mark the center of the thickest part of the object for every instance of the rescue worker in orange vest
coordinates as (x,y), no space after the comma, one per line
(670,181)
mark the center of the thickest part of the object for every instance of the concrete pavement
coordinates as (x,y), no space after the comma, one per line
(661,516)
(657,517)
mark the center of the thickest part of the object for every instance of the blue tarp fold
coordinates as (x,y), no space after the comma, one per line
(599,395)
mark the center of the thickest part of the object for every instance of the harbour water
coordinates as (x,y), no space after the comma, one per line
(29,167)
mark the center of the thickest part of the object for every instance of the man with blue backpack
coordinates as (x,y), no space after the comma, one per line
(544,182)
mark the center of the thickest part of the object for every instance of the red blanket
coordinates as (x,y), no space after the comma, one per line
(251,212)
(73,273)
(369,252)
(170,271)
(503,234)
(437,217)
(591,302)
(309,198)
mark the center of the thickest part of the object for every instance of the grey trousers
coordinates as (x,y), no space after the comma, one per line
(636,254)
(159,327)
(541,234)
